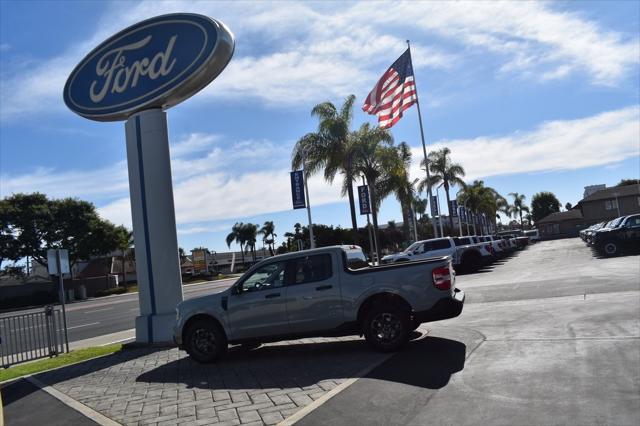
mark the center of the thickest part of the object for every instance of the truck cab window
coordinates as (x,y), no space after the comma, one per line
(312,268)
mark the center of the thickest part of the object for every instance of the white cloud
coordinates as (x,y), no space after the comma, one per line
(295,53)
(598,140)
(103,182)
(217,192)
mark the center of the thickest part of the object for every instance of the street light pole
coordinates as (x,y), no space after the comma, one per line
(439,210)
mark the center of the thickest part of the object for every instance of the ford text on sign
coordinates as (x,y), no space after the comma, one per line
(297,189)
(156,63)
(363,195)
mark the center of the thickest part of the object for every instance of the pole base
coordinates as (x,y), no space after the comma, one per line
(156,329)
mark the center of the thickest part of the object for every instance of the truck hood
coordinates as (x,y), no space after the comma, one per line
(202,303)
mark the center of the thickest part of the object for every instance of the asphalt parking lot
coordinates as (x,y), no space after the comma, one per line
(548,336)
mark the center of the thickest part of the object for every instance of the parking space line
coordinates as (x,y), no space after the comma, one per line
(304,411)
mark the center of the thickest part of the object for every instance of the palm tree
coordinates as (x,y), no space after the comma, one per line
(238,236)
(374,157)
(518,206)
(483,199)
(268,235)
(249,233)
(124,239)
(295,236)
(397,180)
(330,148)
(445,172)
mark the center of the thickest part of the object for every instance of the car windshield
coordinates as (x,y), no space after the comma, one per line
(412,247)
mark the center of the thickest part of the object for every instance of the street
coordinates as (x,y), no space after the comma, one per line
(104,316)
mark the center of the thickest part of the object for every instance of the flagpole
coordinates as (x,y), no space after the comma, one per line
(424,147)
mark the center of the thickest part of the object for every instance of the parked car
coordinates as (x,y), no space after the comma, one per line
(329,291)
(467,255)
(586,234)
(533,235)
(623,235)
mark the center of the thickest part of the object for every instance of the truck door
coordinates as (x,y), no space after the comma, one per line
(259,308)
(313,296)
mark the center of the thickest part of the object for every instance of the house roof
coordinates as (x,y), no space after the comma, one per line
(616,191)
(573,214)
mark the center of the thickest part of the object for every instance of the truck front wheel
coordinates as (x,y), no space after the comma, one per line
(204,341)
(387,328)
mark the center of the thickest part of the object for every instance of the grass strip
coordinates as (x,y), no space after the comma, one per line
(72,357)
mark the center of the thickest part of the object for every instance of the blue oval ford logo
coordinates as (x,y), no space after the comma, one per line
(156,63)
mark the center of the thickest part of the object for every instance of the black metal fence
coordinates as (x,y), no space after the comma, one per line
(30,336)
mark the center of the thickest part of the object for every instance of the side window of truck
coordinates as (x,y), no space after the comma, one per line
(440,244)
(265,278)
(310,269)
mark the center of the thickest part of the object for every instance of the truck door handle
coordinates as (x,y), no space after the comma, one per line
(272,295)
(324,287)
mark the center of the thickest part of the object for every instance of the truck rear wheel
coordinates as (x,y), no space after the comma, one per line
(387,328)
(204,341)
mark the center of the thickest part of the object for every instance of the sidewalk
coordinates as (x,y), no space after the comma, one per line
(164,387)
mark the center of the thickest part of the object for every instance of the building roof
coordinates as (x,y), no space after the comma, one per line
(616,191)
(573,214)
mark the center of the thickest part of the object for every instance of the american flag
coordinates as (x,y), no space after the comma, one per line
(393,93)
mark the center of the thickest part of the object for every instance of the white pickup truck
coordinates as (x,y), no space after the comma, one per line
(330,291)
(466,254)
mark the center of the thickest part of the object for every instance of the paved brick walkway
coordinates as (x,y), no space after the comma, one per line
(164,387)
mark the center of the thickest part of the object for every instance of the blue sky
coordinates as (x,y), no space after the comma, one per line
(528,96)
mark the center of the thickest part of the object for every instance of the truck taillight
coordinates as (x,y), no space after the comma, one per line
(442,278)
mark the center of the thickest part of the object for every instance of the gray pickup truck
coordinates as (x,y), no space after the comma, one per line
(330,291)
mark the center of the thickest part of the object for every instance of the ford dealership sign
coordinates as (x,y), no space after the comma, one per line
(156,63)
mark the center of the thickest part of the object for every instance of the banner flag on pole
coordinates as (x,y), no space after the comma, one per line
(434,206)
(363,196)
(453,208)
(297,189)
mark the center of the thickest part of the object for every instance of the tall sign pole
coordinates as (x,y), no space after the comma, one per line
(306,193)
(424,147)
(135,76)
(365,207)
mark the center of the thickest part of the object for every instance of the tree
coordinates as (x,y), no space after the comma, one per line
(249,233)
(124,240)
(483,199)
(445,172)
(543,204)
(518,206)
(238,236)
(32,223)
(330,148)
(625,182)
(568,206)
(397,180)
(374,156)
(268,235)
